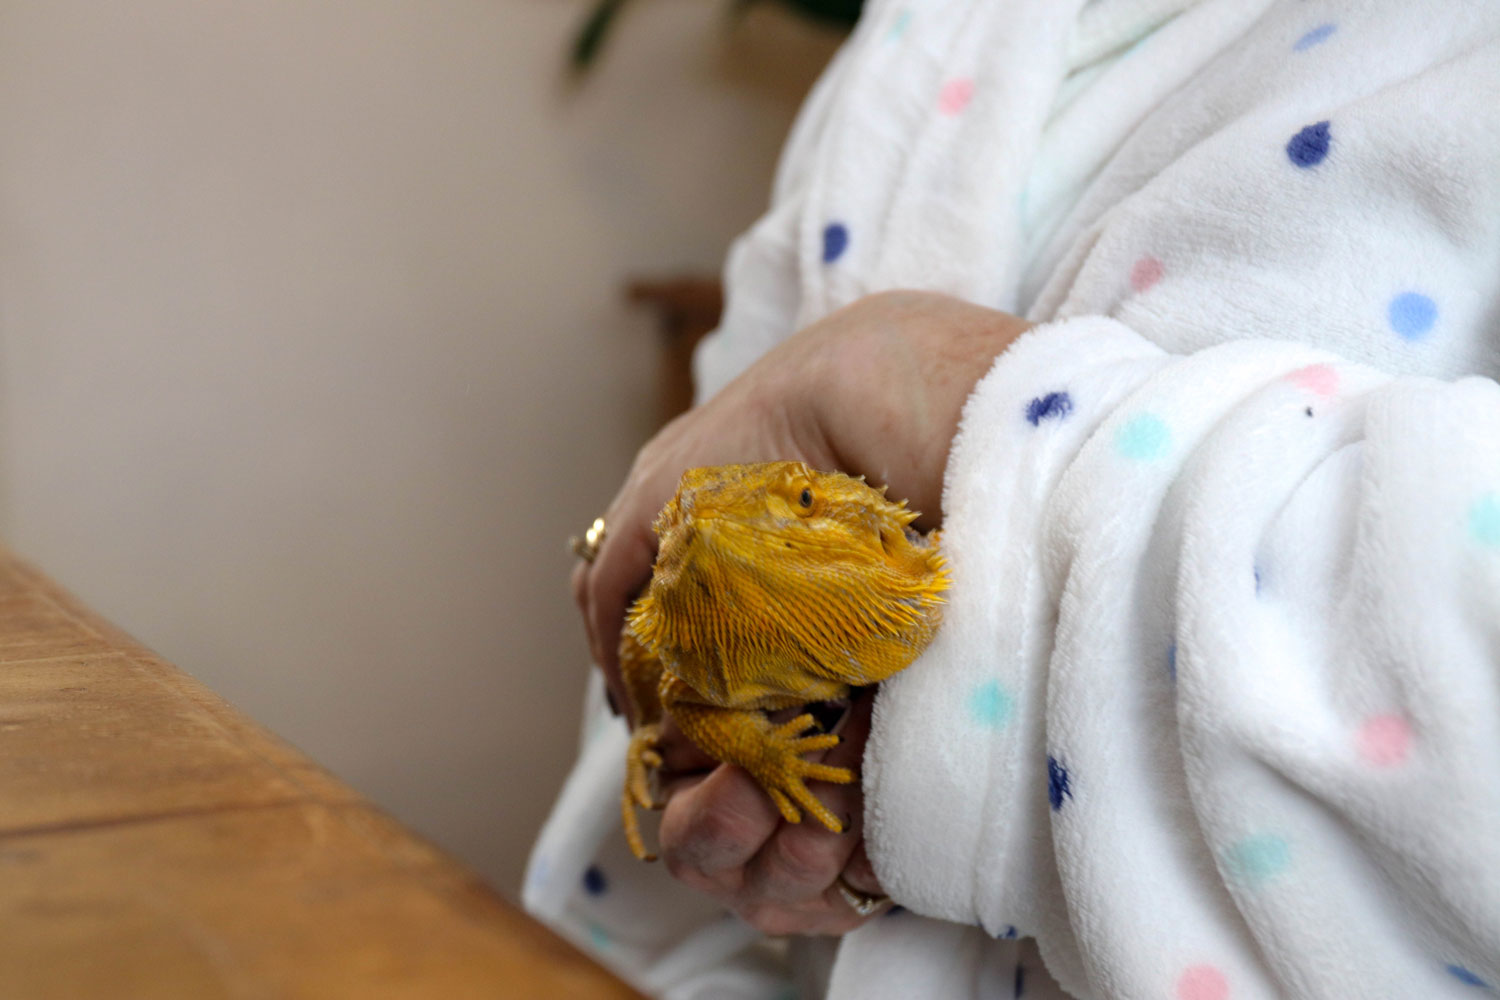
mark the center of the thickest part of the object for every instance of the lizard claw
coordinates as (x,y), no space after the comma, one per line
(640,760)
(783,773)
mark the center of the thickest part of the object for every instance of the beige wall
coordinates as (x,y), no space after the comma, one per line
(311,352)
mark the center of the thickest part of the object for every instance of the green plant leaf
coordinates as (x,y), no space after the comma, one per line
(591,35)
(596,27)
(839,12)
(844,12)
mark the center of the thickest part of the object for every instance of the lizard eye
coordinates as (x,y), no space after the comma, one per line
(806,498)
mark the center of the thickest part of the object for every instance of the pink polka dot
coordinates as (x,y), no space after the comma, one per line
(955,95)
(1202,982)
(1385,740)
(1146,272)
(1321,379)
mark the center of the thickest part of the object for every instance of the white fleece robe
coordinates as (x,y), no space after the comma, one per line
(1214,713)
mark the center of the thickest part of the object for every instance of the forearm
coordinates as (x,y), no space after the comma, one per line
(898,432)
(1217,621)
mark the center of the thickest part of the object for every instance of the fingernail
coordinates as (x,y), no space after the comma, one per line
(614,705)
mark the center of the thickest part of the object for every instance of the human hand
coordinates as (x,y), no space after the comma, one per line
(721,835)
(874,389)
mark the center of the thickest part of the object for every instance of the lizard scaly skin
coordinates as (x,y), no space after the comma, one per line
(775,585)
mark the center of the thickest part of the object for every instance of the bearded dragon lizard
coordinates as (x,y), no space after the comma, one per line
(774,586)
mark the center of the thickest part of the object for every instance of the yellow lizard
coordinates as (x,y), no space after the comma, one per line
(774,586)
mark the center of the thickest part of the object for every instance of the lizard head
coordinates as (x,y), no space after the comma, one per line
(777,566)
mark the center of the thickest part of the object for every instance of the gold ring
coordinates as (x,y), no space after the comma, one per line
(862,902)
(587,547)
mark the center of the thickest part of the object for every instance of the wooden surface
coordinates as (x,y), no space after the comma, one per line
(154,843)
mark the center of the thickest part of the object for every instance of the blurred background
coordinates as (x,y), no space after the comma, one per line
(314,346)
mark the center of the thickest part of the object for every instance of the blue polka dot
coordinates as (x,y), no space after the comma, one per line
(1260,582)
(1315,36)
(1258,858)
(990,705)
(1172,661)
(1463,975)
(835,241)
(1144,437)
(594,882)
(1411,314)
(1308,147)
(1057,783)
(1010,933)
(1484,520)
(1054,404)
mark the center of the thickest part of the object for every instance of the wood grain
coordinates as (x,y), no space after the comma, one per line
(155,843)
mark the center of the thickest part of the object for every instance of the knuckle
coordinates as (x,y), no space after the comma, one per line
(883,298)
(602,600)
(802,857)
(685,870)
(672,859)
(716,826)
(684,852)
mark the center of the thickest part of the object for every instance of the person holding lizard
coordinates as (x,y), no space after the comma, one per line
(1182,320)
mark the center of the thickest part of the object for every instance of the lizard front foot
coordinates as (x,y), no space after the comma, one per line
(783,773)
(640,759)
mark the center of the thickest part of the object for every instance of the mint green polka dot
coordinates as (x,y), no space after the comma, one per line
(1144,437)
(990,705)
(598,937)
(1257,858)
(899,26)
(1484,520)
